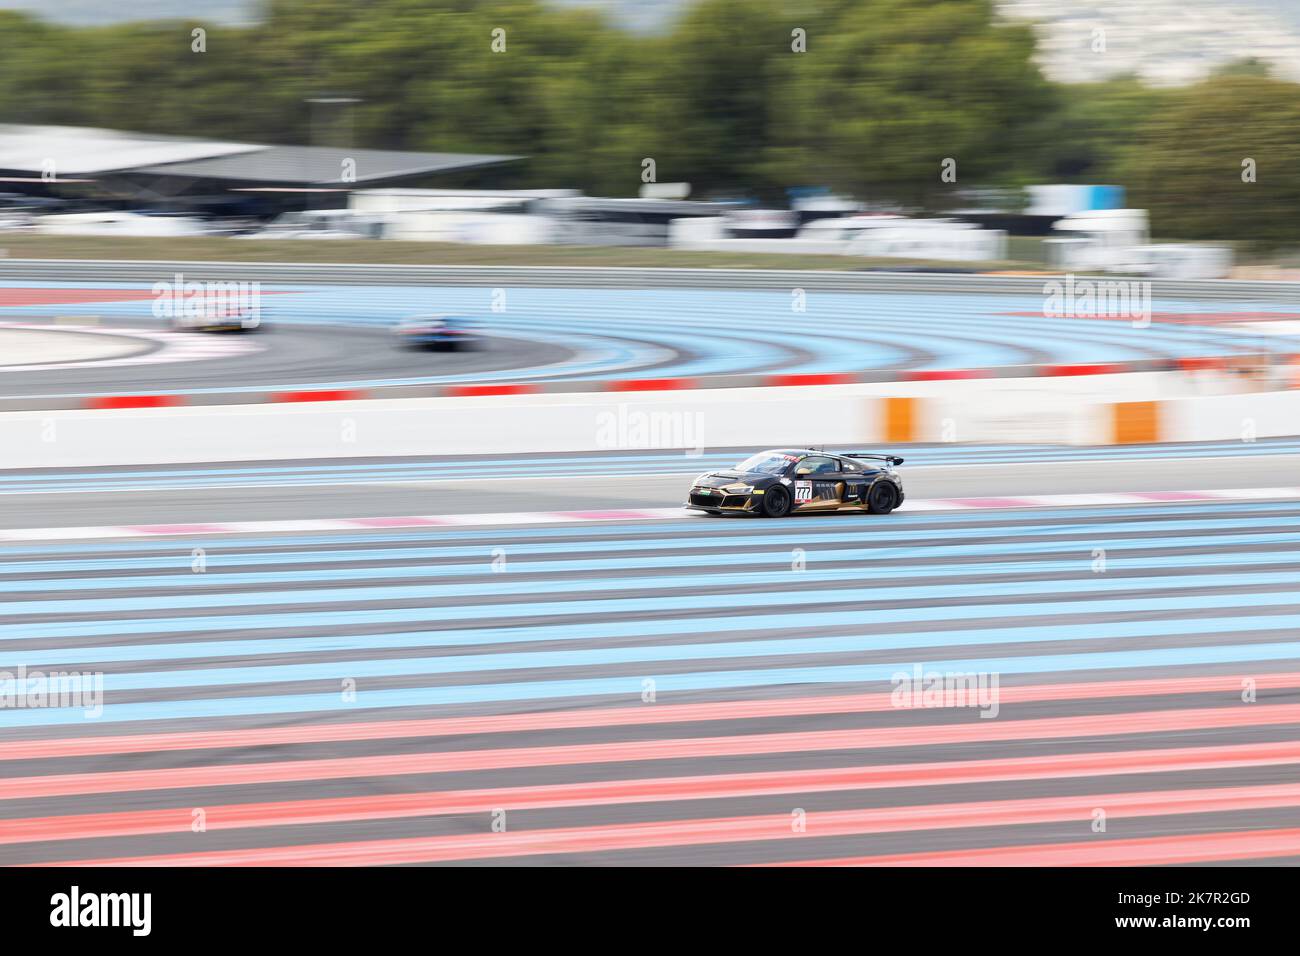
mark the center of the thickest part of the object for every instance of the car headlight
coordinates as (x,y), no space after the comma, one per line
(738,489)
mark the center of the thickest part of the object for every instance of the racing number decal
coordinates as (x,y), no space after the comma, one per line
(803,491)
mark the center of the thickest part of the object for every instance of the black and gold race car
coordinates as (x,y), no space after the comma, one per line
(782,481)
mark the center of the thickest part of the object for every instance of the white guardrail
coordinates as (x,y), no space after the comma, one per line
(843,415)
(85,270)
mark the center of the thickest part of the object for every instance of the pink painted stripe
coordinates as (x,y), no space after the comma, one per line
(1167,495)
(177,528)
(832,823)
(606,515)
(610,717)
(393,765)
(993,502)
(655,790)
(417,521)
(645,514)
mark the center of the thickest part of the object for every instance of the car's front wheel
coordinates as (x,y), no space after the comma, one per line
(776,502)
(882,499)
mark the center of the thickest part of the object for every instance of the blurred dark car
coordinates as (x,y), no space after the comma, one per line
(218,320)
(445,333)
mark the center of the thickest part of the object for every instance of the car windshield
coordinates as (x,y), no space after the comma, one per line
(767,462)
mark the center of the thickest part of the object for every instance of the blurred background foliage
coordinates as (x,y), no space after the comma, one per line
(886,90)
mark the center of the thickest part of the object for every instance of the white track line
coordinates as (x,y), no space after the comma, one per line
(176,347)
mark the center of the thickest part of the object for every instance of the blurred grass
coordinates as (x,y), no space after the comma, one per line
(222,249)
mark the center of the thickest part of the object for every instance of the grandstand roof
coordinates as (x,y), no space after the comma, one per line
(71,151)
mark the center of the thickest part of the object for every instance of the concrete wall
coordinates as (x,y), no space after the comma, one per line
(843,415)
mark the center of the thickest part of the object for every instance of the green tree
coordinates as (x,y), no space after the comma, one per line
(1186,163)
(890,88)
(39,77)
(1087,132)
(716,72)
(738,96)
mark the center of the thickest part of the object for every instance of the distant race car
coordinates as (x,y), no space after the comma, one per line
(444,332)
(218,320)
(782,481)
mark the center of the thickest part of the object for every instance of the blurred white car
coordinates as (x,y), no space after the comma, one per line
(320,224)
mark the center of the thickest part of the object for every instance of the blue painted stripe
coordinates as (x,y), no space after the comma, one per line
(618,330)
(1011,555)
(631,687)
(570,658)
(610,614)
(1088,582)
(415,559)
(1009,633)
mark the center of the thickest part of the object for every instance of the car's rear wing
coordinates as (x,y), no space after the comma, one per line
(892,459)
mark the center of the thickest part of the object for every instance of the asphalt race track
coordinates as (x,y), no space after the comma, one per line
(1123,684)
(553,654)
(338,336)
(672,691)
(347,488)
(293,356)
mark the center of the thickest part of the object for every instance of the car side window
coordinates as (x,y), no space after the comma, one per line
(849,466)
(813,465)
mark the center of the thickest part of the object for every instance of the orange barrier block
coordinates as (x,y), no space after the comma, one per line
(900,419)
(1135,423)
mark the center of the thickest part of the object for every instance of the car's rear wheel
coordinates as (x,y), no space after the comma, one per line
(882,498)
(777,502)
